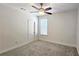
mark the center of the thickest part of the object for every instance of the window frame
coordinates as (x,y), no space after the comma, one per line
(40,27)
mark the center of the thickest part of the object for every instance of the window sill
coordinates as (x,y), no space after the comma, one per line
(43,35)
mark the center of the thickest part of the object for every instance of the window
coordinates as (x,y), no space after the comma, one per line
(43,26)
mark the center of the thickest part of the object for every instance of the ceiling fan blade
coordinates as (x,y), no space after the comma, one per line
(49,8)
(48,13)
(35,7)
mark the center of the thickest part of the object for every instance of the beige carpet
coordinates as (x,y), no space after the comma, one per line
(42,48)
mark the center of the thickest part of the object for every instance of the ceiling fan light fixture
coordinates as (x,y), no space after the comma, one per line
(41,12)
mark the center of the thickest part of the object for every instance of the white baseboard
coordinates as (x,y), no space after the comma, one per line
(60,43)
(17,46)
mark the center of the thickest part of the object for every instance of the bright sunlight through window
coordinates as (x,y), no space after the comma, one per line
(43,26)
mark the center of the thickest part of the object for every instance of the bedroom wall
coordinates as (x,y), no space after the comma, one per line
(62,28)
(14,28)
(78,31)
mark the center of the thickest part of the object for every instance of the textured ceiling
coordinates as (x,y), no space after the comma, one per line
(56,7)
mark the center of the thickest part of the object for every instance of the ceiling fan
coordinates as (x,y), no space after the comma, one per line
(42,10)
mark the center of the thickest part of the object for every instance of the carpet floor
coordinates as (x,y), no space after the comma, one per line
(42,48)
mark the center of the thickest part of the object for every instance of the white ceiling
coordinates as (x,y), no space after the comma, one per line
(56,7)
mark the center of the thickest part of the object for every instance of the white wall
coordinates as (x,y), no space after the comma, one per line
(78,32)
(14,28)
(62,28)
